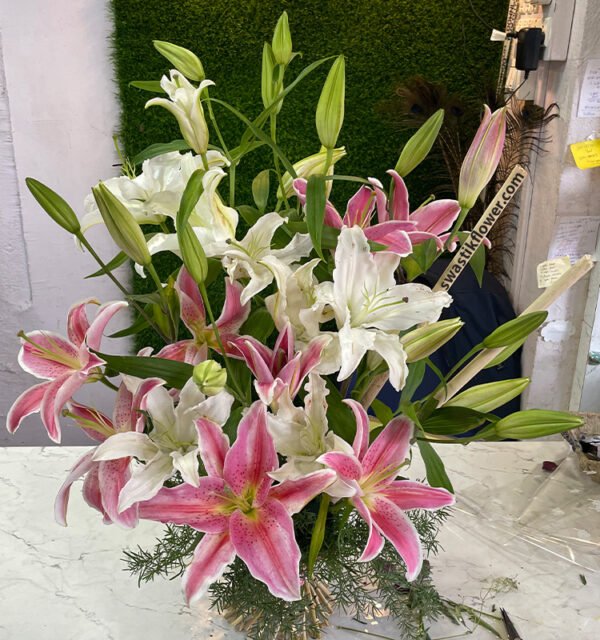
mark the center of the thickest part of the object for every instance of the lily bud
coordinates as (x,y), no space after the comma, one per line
(419,146)
(268,86)
(54,205)
(330,110)
(487,397)
(423,341)
(311,165)
(515,330)
(210,377)
(282,40)
(192,253)
(182,59)
(121,225)
(535,423)
(483,157)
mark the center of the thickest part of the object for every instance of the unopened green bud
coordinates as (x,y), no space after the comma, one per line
(121,225)
(282,40)
(210,377)
(192,253)
(268,82)
(425,340)
(260,189)
(535,423)
(515,330)
(54,205)
(182,59)
(419,146)
(487,397)
(330,110)
(311,165)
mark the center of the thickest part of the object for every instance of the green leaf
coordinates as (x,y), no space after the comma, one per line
(147,85)
(450,421)
(231,426)
(416,373)
(116,262)
(191,194)
(249,214)
(174,373)
(339,415)
(138,325)
(259,325)
(477,263)
(382,412)
(515,330)
(436,473)
(158,149)
(505,354)
(315,210)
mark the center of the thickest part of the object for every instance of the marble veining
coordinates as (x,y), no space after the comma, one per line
(512,521)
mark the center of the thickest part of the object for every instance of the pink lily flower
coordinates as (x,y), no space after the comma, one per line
(66,364)
(104,480)
(281,368)
(397,228)
(239,510)
(379,498)
(193,315)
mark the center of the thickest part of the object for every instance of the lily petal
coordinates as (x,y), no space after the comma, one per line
(147,482)
(199,507)
(375,541)
(92,494)
(234,313)
(126,445)
(48,412)
(105,313)
(294,495)
(211,557)
(400,206)
(361,439)
(80,468)
(390,448)
(77,321)
(407,495)
(213,445)
(48,355)
(437,216)
(400,531)
(27,403)
(347,467)
(191,306)
(264,540)
(252,455)
(187,465)
(113,475)
(360,208)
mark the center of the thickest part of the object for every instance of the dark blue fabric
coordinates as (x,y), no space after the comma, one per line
(482,310)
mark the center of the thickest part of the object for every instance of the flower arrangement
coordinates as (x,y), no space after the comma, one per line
(257,436)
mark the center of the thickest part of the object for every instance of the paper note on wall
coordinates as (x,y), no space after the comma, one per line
(586,154)
(589,97)
(550,271)
(574,236)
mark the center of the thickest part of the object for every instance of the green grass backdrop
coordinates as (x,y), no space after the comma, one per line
(384,41)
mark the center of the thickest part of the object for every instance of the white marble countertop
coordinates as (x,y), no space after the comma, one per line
(512,521)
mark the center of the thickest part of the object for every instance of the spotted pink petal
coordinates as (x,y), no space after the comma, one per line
(200,507)
(66,391)
(93,337)
(400,531)
(437,216)
(294,495)
(407,495)
(122,418)
(381,201)
(48,411)
(84,415)
(112,477)
(417,237)
(392,236)
(264,540)
(27,403)
(234,313)
(347,467)
(257,357)
(302,364)
(213,446)
(77,321)
(191,307)
(375,541)
(188,351)
(389,450)
(92,494)
(138,403)
(80,468)
(360,208)
(332,217)
(252,455)
(283,351)
(400,206)
(48,355)
(211,557)
(361,439)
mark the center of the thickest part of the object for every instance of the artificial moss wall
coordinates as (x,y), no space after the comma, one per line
(384,41)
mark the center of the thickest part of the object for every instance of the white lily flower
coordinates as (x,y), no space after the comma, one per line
(155,194)
(371,309)
(171,445)
(185,104)
(212,221)
(253,257)
(302,435)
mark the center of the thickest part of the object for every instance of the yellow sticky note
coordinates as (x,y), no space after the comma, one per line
(550,271)
(586,153)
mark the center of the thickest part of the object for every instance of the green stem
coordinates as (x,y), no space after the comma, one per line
(273,120)
(107,383)
(239,393)
(213,120)
(232,185)
(204,161)
(318,535)
(457,225)
(121,288)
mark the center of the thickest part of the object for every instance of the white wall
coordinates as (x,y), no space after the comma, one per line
(559,188)
(58,112)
